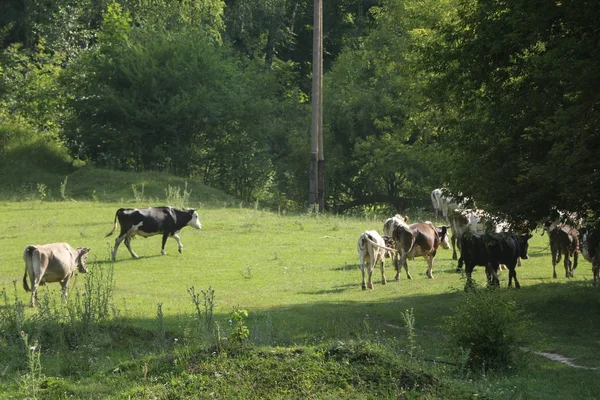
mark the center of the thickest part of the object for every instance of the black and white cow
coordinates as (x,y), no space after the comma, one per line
(152,221)
(492,249)
(442,204)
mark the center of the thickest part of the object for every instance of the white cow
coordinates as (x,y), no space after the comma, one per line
(443,204)
(371,250)
(54,262)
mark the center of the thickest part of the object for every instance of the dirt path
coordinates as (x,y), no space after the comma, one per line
(563,360)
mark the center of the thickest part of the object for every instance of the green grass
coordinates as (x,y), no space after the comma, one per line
(299,279)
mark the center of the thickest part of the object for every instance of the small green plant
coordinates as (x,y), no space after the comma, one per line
(239,330)
(487,330)
(94,304)
(204,308)
(30,381)
(409,320)
(42,191)
(178,198)
(63,189)
(138,194)
(160,327)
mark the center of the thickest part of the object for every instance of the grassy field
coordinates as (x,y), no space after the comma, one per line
(299,279)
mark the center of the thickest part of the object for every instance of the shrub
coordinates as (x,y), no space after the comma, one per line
(486,331)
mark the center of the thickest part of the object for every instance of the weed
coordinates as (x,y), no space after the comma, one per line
(247,274)
(138,194)
(204,309)
(30,382)
(487,330)
(95,303)
(63,189)
(409,320)
(239,330)
(178,198)
(160,327)
(42,191)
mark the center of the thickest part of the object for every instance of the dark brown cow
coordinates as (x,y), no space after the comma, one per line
(564,240)
(590,249)
(419,240)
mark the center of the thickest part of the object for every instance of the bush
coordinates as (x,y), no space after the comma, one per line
(486,331)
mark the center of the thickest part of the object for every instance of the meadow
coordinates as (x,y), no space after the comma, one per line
(297,276)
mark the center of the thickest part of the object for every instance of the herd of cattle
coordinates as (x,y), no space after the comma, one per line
(57,262)
(481,239)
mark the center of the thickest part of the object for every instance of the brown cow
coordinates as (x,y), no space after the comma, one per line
(419,240)
(54,262)
(564,240)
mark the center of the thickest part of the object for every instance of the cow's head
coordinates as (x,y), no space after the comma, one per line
(195,220)
(442,231)
(524,245)
(82,258)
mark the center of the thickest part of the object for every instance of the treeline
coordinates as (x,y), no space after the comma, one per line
(497,101)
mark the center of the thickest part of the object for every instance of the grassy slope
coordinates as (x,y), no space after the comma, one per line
(298,277)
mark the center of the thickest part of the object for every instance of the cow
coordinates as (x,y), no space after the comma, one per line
(371,250)
(490,250)
(442,204)
(473,220)
(564,240)
(152,221)
(389,226)
(55,262)
(590,250)
(419,240)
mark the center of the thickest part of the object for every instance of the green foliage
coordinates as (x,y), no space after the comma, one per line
(239,329)
(487,330)
(518,83)
(30,381)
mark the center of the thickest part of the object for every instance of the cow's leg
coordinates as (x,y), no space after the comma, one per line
(128,245)
(383,280)
(454,255)
(178,239)
(567,265)
(429,260)
(39,265)
(362,270)
(575,259)
(117,244)
(372,263)
(164,241)
(554,262)
(468,273)
(405,264)
(64,287)
(596,270)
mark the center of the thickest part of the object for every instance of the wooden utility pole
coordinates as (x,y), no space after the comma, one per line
(316,196)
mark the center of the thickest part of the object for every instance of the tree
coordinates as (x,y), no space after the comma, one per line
(521,82)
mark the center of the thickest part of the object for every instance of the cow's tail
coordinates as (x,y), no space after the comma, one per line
(114,224)
(370,240)
(27,255)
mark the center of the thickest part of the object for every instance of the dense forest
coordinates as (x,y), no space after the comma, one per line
(495,100)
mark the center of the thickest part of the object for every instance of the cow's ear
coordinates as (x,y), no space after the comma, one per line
(85,250)
(191,211)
